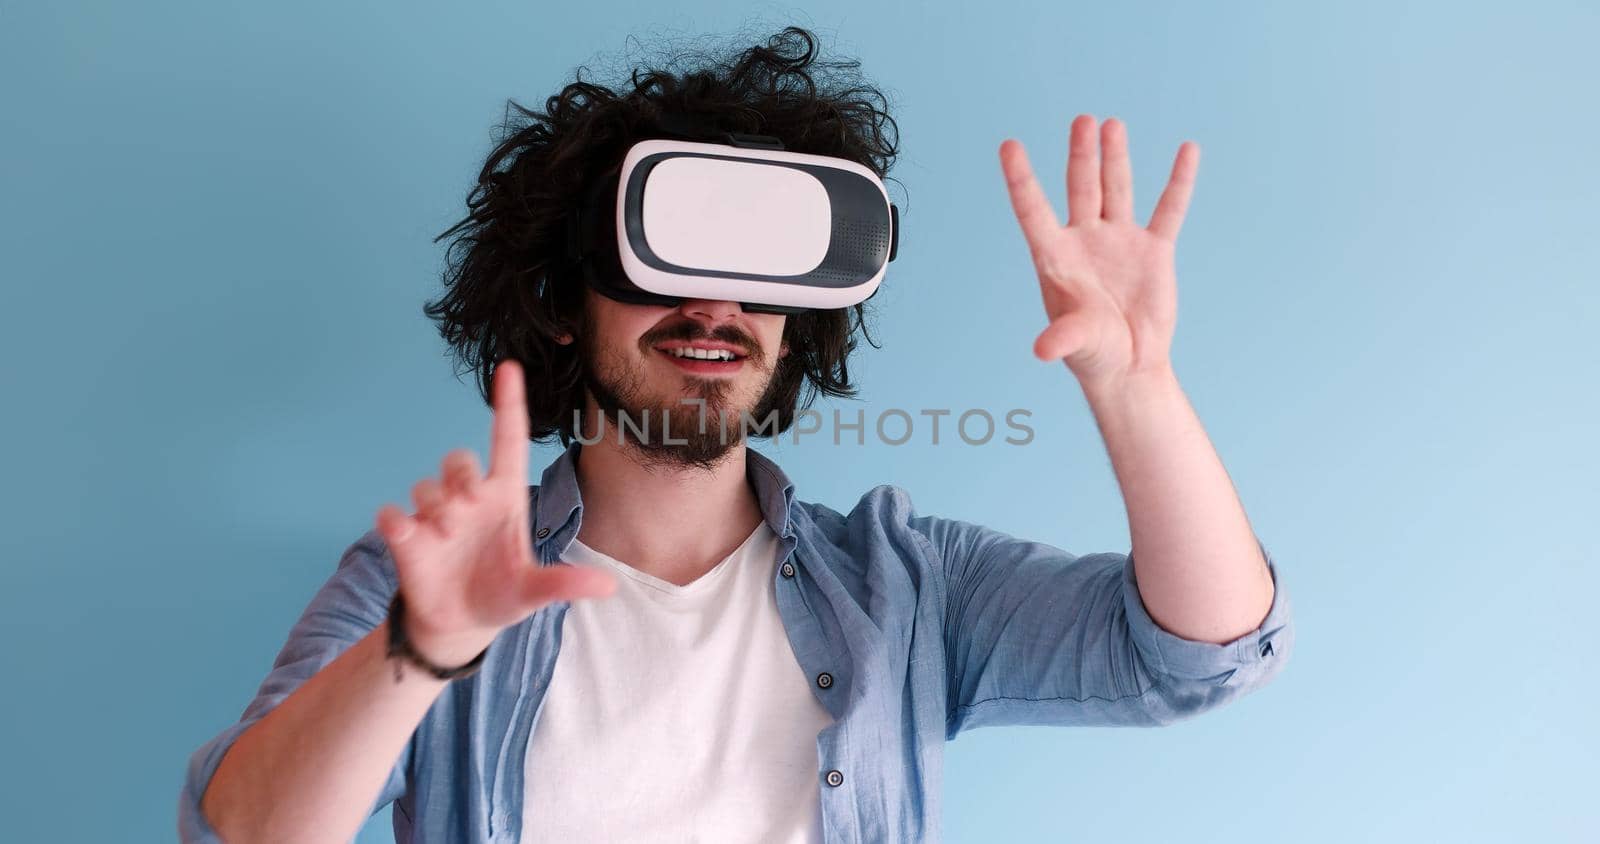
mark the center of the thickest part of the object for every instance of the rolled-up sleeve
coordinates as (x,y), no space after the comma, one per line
(352,603)
(1035,635)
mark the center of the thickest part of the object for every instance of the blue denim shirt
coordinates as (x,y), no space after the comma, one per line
(925,626)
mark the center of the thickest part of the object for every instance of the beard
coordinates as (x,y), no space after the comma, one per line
(696,429)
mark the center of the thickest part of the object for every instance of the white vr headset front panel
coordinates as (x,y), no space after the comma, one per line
(736,217)
(713,221)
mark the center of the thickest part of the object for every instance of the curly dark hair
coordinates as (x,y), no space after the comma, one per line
(510,291)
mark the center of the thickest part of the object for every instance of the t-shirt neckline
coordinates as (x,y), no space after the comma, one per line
(697,585)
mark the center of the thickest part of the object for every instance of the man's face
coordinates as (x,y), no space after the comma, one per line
(655,362)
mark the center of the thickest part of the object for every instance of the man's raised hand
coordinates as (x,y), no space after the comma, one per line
(1109,285)
(465,557)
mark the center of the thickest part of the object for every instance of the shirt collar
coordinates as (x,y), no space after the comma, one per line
(558,511)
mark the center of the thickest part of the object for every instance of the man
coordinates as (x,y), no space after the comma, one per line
(661,641)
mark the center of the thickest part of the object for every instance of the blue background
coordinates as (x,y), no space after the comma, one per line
(216,218)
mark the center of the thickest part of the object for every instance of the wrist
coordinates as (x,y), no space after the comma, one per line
(443,657)
(1131,386)
(446,651)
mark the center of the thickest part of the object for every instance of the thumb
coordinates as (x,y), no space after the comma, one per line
(542,585)
(1063,337)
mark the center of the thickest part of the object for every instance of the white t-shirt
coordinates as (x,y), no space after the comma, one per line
(677,713)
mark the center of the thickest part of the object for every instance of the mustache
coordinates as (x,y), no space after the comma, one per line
(691,331)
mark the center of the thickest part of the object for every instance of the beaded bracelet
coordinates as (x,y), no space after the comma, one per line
(400,646)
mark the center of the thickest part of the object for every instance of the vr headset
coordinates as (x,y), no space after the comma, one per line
(737,219)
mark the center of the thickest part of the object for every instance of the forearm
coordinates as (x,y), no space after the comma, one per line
(1199,568)
(312,767)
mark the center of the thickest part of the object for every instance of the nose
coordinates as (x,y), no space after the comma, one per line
(710,310)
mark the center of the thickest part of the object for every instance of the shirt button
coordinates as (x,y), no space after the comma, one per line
(543,532)
(824,679)
(835,778)
(788,569)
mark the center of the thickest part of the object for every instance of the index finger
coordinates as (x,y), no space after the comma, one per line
(1028,202)
(508,445)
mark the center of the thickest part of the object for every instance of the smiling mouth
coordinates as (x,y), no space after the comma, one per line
(703,359)
(702,353)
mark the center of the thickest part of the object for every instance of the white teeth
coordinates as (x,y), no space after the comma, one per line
(701,354)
